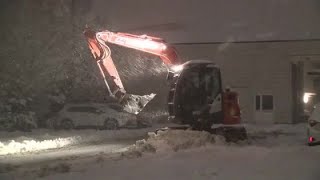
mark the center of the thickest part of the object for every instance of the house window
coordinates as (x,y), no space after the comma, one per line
(258,102)
(264,102)
(267,102)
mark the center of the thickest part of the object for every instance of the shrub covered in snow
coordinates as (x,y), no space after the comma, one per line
(14,115)
(24,121)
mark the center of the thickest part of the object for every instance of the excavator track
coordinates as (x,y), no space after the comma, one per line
(230,133)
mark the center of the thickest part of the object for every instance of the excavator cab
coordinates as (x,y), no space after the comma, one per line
(195,96)
(196,99)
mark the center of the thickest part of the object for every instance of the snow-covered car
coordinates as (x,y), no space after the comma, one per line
(104,116)
(313,129)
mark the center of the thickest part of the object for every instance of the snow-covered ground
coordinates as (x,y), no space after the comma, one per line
(43,146)
(43,139)
(271,152)
(225,163)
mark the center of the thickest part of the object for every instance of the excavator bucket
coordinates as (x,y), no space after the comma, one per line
(135,103)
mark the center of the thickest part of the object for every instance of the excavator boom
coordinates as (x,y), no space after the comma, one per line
(98,44)
(149,44)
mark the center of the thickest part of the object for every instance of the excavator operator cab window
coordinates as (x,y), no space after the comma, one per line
(170,76)
(197,84)
(212,82)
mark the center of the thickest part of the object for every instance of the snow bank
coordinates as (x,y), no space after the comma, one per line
(14,147)
(172,141)
(258,135)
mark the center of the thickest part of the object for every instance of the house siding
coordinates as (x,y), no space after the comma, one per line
(252,68)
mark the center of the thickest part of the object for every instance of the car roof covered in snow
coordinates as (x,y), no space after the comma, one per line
(90,104)
(200,62)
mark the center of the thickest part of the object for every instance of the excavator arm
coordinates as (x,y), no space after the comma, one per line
(97,42)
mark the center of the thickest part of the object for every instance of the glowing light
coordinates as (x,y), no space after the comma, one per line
(311,139)
(306,97)
(146,44)
(177,68)
(13,147)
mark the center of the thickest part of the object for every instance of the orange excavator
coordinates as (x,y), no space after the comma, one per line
(195,97)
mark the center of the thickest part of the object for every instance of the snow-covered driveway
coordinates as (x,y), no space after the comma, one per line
(76,151)
(41,146)
(225,163)
(274,152)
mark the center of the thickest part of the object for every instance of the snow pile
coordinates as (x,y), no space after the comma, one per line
(13,147)
(172,141)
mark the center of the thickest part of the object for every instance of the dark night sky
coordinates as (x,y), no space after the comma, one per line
(215,20)
(207,20)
